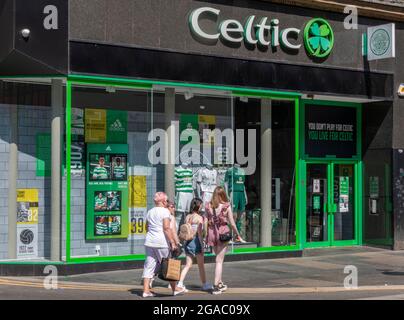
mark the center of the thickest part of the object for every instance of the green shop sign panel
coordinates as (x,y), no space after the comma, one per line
(107,192)
(331,131)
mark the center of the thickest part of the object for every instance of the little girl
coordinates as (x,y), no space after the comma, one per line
(194,248)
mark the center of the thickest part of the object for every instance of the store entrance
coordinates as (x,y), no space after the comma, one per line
(331,210)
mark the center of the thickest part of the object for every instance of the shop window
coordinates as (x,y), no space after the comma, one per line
(112,181)
(248,115)
(25,132)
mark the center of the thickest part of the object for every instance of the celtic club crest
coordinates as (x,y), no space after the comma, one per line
(318,38)
(380,42)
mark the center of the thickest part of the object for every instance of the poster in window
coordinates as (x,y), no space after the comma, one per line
(27,223)
(344,194)
(95,126)
(107,211)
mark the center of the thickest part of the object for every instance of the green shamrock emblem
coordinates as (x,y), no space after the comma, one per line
(319,38)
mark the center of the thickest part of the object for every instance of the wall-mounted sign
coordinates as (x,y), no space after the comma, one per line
(381,42)
(330,131)
(261,31)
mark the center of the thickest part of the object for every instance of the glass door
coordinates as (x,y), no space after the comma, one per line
(330,204)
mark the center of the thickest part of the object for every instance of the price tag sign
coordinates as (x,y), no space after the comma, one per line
(138,222)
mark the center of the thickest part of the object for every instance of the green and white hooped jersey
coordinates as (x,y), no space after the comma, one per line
(100,202)
(115,227)
(183,180)
(100,173)
(119,172)
(101,228)
(114,203)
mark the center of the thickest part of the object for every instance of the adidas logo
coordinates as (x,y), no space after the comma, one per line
(108,149)
(117,126)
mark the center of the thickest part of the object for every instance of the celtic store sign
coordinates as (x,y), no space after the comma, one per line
(206,26)
(381,42)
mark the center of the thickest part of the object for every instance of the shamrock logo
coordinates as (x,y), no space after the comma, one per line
(318,38)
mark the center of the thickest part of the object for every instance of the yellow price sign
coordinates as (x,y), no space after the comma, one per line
(138,222)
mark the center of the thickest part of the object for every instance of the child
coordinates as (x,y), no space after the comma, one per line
(194,248)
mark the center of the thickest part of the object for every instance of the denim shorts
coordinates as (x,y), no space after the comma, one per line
(193,247)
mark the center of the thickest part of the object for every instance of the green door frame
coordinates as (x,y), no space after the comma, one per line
(330,242)
(356,160)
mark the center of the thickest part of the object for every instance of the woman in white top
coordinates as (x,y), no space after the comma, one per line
(159,243)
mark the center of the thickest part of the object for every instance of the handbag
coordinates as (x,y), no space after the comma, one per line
(176,253)
(170,270)
(224,236)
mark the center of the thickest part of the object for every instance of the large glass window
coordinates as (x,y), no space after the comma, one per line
(112,181)
(279,118)
(25,167)
(129,143)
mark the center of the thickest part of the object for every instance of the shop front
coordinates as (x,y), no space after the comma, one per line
(271,102)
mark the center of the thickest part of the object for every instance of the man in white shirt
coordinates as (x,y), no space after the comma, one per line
(160,240)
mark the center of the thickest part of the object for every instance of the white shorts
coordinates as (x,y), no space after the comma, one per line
(183,201)
(154,257)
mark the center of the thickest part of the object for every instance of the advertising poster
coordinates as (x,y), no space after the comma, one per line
(317,203)
(138,206)
(27,223)
(331,131)
(207,123)
(106,126)
(107,192)
(344,194)
(117,127)
(95,126)
(138,222)
(138,191)
(374,187)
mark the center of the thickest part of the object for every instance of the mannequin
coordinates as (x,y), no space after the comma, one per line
(235,187)
(206,183)
(184,192)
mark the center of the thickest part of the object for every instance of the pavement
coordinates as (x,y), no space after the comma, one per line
(319,275)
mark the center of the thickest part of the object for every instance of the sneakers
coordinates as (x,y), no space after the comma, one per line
(148,295)
(222,287)
(181,286)
(216,290)
(207,287)
(219,289)
(182,291)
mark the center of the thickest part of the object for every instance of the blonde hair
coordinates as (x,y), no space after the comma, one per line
(160,197)
(219,196)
